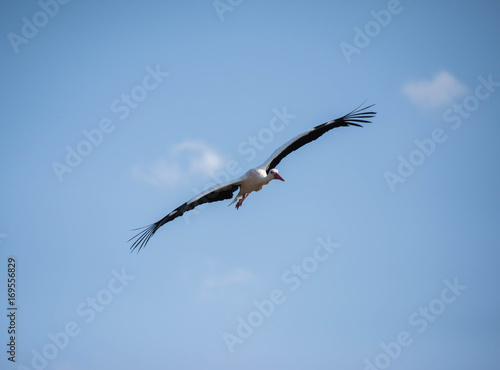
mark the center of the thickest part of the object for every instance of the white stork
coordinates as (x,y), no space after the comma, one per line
(256,178)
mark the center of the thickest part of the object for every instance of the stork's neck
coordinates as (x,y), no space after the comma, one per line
(268,178)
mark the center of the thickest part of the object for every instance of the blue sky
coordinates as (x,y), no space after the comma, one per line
(379,251)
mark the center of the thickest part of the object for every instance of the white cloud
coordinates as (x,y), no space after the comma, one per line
(188,159)
(441,90)
(235,277)
(203,159)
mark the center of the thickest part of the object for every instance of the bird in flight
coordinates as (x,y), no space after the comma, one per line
(254,179)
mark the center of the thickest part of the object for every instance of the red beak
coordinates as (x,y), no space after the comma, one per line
(278,177)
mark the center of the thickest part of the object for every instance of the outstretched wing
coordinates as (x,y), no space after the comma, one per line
(214,194)
(354,118)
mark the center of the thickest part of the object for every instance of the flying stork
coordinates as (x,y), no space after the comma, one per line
(256,178)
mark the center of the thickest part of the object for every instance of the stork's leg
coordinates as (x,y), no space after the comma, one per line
(240,201)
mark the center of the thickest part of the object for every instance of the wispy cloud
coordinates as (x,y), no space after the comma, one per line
(188,159)
(236,277)
(440,90)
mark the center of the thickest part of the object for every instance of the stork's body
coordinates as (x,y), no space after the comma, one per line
(256,178)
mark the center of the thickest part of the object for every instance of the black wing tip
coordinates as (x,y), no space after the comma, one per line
(360,115)
(142,237)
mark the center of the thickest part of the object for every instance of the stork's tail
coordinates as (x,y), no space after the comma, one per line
(237,197)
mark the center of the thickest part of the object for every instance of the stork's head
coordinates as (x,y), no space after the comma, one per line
(275,174)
